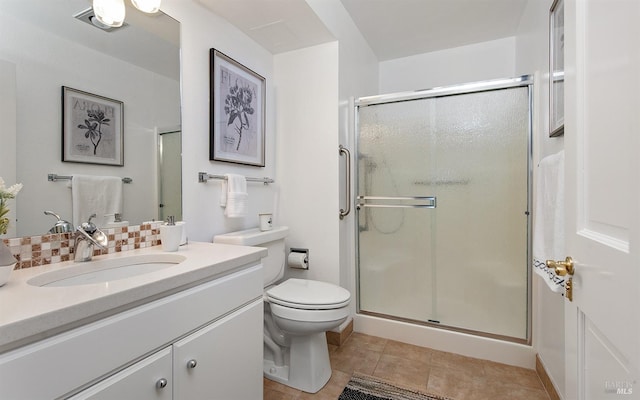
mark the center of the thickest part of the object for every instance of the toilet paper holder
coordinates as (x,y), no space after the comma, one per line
(299,250)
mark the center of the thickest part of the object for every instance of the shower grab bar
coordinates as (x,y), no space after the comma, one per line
(343,150)
(432,202)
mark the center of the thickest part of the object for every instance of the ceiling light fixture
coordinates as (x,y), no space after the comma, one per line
(148,6)
(112,12)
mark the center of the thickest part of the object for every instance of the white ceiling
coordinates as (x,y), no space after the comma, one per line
(393,28)
(277,25)
(398,28)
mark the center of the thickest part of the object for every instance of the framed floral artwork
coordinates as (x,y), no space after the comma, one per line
(92,128)
(556,69)
(237,112)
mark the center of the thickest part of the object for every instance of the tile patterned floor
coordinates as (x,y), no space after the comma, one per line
(424,369)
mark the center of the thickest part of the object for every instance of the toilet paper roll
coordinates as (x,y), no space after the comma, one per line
(298,260)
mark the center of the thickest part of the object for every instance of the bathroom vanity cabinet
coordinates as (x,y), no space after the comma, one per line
(210,363)
(203,342)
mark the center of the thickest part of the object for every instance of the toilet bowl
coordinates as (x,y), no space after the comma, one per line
(297,314)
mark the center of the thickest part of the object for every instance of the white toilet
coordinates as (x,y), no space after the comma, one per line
(297,314)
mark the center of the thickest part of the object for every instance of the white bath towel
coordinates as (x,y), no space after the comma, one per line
(100,195)
(548,225)
(234,197)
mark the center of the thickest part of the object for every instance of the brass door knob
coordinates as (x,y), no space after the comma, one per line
(562,268)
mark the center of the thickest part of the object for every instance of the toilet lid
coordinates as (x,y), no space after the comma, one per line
(309,295)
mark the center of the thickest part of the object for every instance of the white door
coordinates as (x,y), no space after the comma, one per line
(602,136)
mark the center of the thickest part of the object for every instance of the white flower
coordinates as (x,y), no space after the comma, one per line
(5,194)
(9,193)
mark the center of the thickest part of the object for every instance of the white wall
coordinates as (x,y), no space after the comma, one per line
(307,120)
(358,76)
(148,102)
(201,30)
(476,62)
(532,57)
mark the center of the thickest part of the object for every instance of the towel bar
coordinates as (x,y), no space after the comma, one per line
(203,177)
(56,177)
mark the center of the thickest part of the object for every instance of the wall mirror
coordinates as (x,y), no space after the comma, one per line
(44,46)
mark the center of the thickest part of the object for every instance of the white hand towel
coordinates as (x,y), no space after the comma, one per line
(223,193)
(100,195)
(548,225)
(235,196)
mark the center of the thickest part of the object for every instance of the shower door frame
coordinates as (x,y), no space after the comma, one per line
(465,88)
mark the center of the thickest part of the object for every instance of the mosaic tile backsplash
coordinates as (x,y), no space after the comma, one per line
(32,251)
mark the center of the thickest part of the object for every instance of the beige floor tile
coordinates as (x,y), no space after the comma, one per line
(270,394)
(354,359)
(468,366)
(365,342)
(510,375)
(441,373)
(404,372)
(452,383)
(407,351)
(501,392)
(317,396)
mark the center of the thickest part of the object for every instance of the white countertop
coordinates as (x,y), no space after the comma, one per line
(29,313)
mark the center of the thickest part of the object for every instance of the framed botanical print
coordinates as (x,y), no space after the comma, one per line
(92,128)
(237,112)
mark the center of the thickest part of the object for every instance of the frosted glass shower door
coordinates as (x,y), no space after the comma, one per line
(395,206)
(459,260)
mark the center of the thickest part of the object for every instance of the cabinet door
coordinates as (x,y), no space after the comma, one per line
(222,360)
(145,380)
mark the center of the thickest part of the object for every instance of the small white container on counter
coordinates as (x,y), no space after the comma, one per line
(171,235)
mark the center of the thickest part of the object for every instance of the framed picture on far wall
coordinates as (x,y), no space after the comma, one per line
(237,112)
(92,128)
(556,68)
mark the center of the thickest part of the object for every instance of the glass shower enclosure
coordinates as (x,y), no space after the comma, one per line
(443,182)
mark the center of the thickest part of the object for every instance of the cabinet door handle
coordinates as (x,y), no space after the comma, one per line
(191,364)
(162,383)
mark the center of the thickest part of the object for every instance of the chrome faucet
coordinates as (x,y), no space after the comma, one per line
(85,237)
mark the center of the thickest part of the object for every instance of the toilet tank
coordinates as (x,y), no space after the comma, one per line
(273,240)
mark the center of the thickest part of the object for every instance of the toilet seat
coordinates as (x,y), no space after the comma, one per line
(308,295)
(307,316)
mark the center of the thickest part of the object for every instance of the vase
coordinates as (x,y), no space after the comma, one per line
(5,273)
(7,263)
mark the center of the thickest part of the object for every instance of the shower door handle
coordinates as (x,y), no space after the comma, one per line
(343,150)
(397,202)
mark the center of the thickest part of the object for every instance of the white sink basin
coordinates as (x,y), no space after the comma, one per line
(107,270)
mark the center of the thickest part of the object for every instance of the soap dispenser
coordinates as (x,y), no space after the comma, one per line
(170,234)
